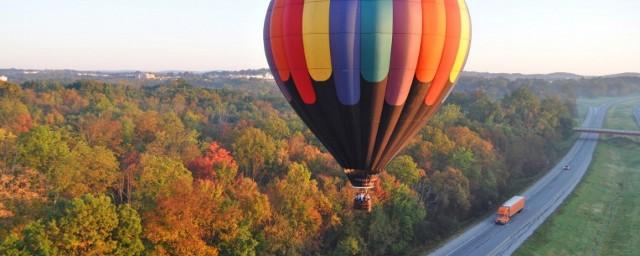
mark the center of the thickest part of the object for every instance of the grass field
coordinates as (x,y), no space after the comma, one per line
(602,216)
(584,103)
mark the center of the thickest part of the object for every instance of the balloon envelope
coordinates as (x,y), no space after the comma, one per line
(365,75)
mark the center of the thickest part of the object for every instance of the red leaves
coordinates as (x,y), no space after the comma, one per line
(23,123)
(215,158)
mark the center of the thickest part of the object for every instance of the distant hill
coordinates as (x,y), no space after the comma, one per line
(139,78)
(628,74)
(208,78)
(515,76)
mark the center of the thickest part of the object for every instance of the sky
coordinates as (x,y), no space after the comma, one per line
(588,37)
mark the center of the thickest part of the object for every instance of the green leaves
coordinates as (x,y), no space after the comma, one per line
(156,176)
(254,150)
(393,224)
(405,169)
(128,232)
(299,208)
(92,170)
(84,226)
(44,149)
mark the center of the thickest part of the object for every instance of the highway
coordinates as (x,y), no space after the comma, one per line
(543,198)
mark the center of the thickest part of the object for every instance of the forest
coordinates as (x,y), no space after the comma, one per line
(96,168)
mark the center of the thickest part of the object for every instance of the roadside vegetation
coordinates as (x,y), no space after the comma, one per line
(602,217)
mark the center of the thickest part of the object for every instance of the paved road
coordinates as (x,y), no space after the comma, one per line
(487,238)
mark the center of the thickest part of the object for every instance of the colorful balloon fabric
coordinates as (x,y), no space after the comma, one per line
(365,75)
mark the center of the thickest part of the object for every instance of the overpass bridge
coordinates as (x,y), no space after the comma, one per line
(636,114)
(608,131)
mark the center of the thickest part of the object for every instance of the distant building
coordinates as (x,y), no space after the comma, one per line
(146,76)
(265,76)
(268,76)
(4,78)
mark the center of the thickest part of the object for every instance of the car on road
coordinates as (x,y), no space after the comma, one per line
(566,167)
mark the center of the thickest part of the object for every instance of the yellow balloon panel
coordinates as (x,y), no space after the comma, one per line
(315,35)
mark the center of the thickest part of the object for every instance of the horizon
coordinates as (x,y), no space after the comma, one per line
(267,68)
(576,36)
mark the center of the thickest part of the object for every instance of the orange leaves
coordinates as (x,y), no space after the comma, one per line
(15,116)
(299,151)
(102,131)
(146,126)
(180,223)
(254,204)
(23,123)
(208,218)
(20,189)
(467,138)
(72,101)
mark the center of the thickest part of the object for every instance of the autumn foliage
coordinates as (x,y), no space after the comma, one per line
(215,159)
(92,168)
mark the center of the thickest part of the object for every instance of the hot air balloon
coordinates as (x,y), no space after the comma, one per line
(366,75)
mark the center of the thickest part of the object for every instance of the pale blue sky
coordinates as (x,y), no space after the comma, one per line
(529,36)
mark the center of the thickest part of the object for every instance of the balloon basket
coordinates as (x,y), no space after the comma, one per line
(363,202)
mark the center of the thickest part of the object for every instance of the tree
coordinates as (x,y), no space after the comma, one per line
(156,176)
(22,198)
(392,227)
(449,115)
(296,147)
(350,245)
(128,232)
(440,148)
(146,126)
(209,219)
(255,150)
(405,169)
(215,159)
(14,116)
(7,149)
(174,140)
(247,211)
(480,164)
(181,223)
(450,193)
(72,102)
(522,108)
(44,149)
(91,170)
(271,122)
(102,131)
(483,109)
(298,212)
(83,226)
(254,205)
